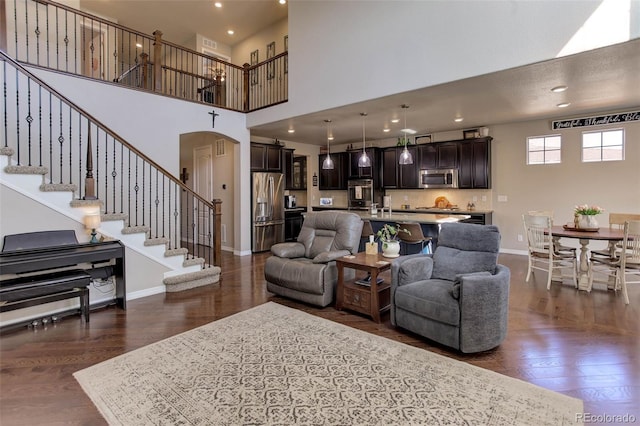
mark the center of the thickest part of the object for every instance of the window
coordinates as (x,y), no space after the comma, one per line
(544,149)
(605,145)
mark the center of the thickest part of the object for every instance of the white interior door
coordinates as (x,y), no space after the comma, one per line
(203,186)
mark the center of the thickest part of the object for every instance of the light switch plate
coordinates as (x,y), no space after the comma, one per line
(502,198)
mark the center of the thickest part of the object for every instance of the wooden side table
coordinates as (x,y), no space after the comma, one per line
(370,299)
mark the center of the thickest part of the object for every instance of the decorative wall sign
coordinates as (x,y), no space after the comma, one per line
(286,58)
(471,134)
(254,72)
(423,139)
(599,120)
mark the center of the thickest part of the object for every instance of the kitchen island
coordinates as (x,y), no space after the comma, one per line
(430,222)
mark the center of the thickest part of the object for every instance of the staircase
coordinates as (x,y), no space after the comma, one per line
(49,148)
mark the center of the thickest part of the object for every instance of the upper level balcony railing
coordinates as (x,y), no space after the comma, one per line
(55,36)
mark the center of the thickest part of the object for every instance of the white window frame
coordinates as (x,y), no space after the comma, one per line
(602,132)
(544,150)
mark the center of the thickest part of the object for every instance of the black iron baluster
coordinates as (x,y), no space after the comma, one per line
(70,143)
(50,162)
(26,32)
(129,192)
(75,46)
(137,189)
(157,199)
(175,215)
(60,141)
(80,151)
(15,26)
(47,26)
(29,121)
(121,178)
(97,157)
(37,33)
(150,204)
(106,170)
(169,209)
(114,174)
(163,206)
(143,193)
(4,89)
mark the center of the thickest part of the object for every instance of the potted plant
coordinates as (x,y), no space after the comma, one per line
(388,234)
(585,216)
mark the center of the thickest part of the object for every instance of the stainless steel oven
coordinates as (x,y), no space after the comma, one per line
(439,178)
(362,193)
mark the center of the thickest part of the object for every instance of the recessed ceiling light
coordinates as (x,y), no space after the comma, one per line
(330,138)
(282,1)
(217,4)
(563,105)
(291,131)
(409,131)
(386,130)
(458,120)
(559,89)
(230,32)
(138,44)
(395,120)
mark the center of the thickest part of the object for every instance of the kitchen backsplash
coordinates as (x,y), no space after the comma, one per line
(422,198)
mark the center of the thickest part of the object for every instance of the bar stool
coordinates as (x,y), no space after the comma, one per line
(413,237)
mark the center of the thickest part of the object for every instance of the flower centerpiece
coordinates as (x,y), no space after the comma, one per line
(585,216)
(388,234)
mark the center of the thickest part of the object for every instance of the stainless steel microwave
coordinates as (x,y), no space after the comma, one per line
(439,178)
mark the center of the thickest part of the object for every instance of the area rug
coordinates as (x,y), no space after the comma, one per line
(273,365)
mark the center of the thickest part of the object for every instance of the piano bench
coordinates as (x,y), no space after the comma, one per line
(35,290)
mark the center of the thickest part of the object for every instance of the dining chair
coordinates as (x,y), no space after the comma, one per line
(616,221)
(410,233)
(626,263)
(558,246)
(542,253)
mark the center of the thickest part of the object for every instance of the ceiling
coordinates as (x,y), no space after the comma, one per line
(180,20)
(601,80)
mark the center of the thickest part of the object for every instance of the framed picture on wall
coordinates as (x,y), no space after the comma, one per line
(254,72)
(286,58)
(471,134)
(271,66)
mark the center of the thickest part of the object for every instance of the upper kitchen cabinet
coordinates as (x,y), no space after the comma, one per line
(390,168)
(266,158)
(356,172)
(299,178)
(335,178)
(440,155)
(408,174)
(474,169)
(287,167)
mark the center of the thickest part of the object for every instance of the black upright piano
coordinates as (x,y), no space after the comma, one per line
(41,261)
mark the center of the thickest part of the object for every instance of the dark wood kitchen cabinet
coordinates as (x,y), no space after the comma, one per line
(356,172)
(390,168)
(287,167)
(474,170)
(295,170)
(265,158)
(408,174)
(439,155)
(335,178)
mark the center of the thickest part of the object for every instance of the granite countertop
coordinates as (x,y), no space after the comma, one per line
(296,209)
(418,211)
(412,217)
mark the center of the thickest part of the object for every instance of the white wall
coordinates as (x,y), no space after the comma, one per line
(342,52)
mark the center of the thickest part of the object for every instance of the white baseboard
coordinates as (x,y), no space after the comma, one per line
(146,292)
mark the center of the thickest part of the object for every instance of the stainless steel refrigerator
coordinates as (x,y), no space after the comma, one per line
(267,204)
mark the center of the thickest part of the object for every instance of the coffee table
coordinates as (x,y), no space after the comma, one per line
(372,299)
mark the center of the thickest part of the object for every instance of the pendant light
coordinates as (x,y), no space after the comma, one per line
(327,164)
(405,157)
(364,160)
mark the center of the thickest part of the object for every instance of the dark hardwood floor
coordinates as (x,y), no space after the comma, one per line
(579,344)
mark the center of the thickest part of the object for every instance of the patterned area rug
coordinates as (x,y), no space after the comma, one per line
(273,365)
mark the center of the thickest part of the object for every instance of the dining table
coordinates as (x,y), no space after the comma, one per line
(611,235)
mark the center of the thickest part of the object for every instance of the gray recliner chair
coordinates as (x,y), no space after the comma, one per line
(306,270)
(459,296)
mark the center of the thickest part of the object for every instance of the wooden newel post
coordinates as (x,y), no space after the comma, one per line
(245,75)
(217,226)
(157,61)
(89,182)
(144,60)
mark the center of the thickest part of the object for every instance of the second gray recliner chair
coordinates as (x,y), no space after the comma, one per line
(306,270)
